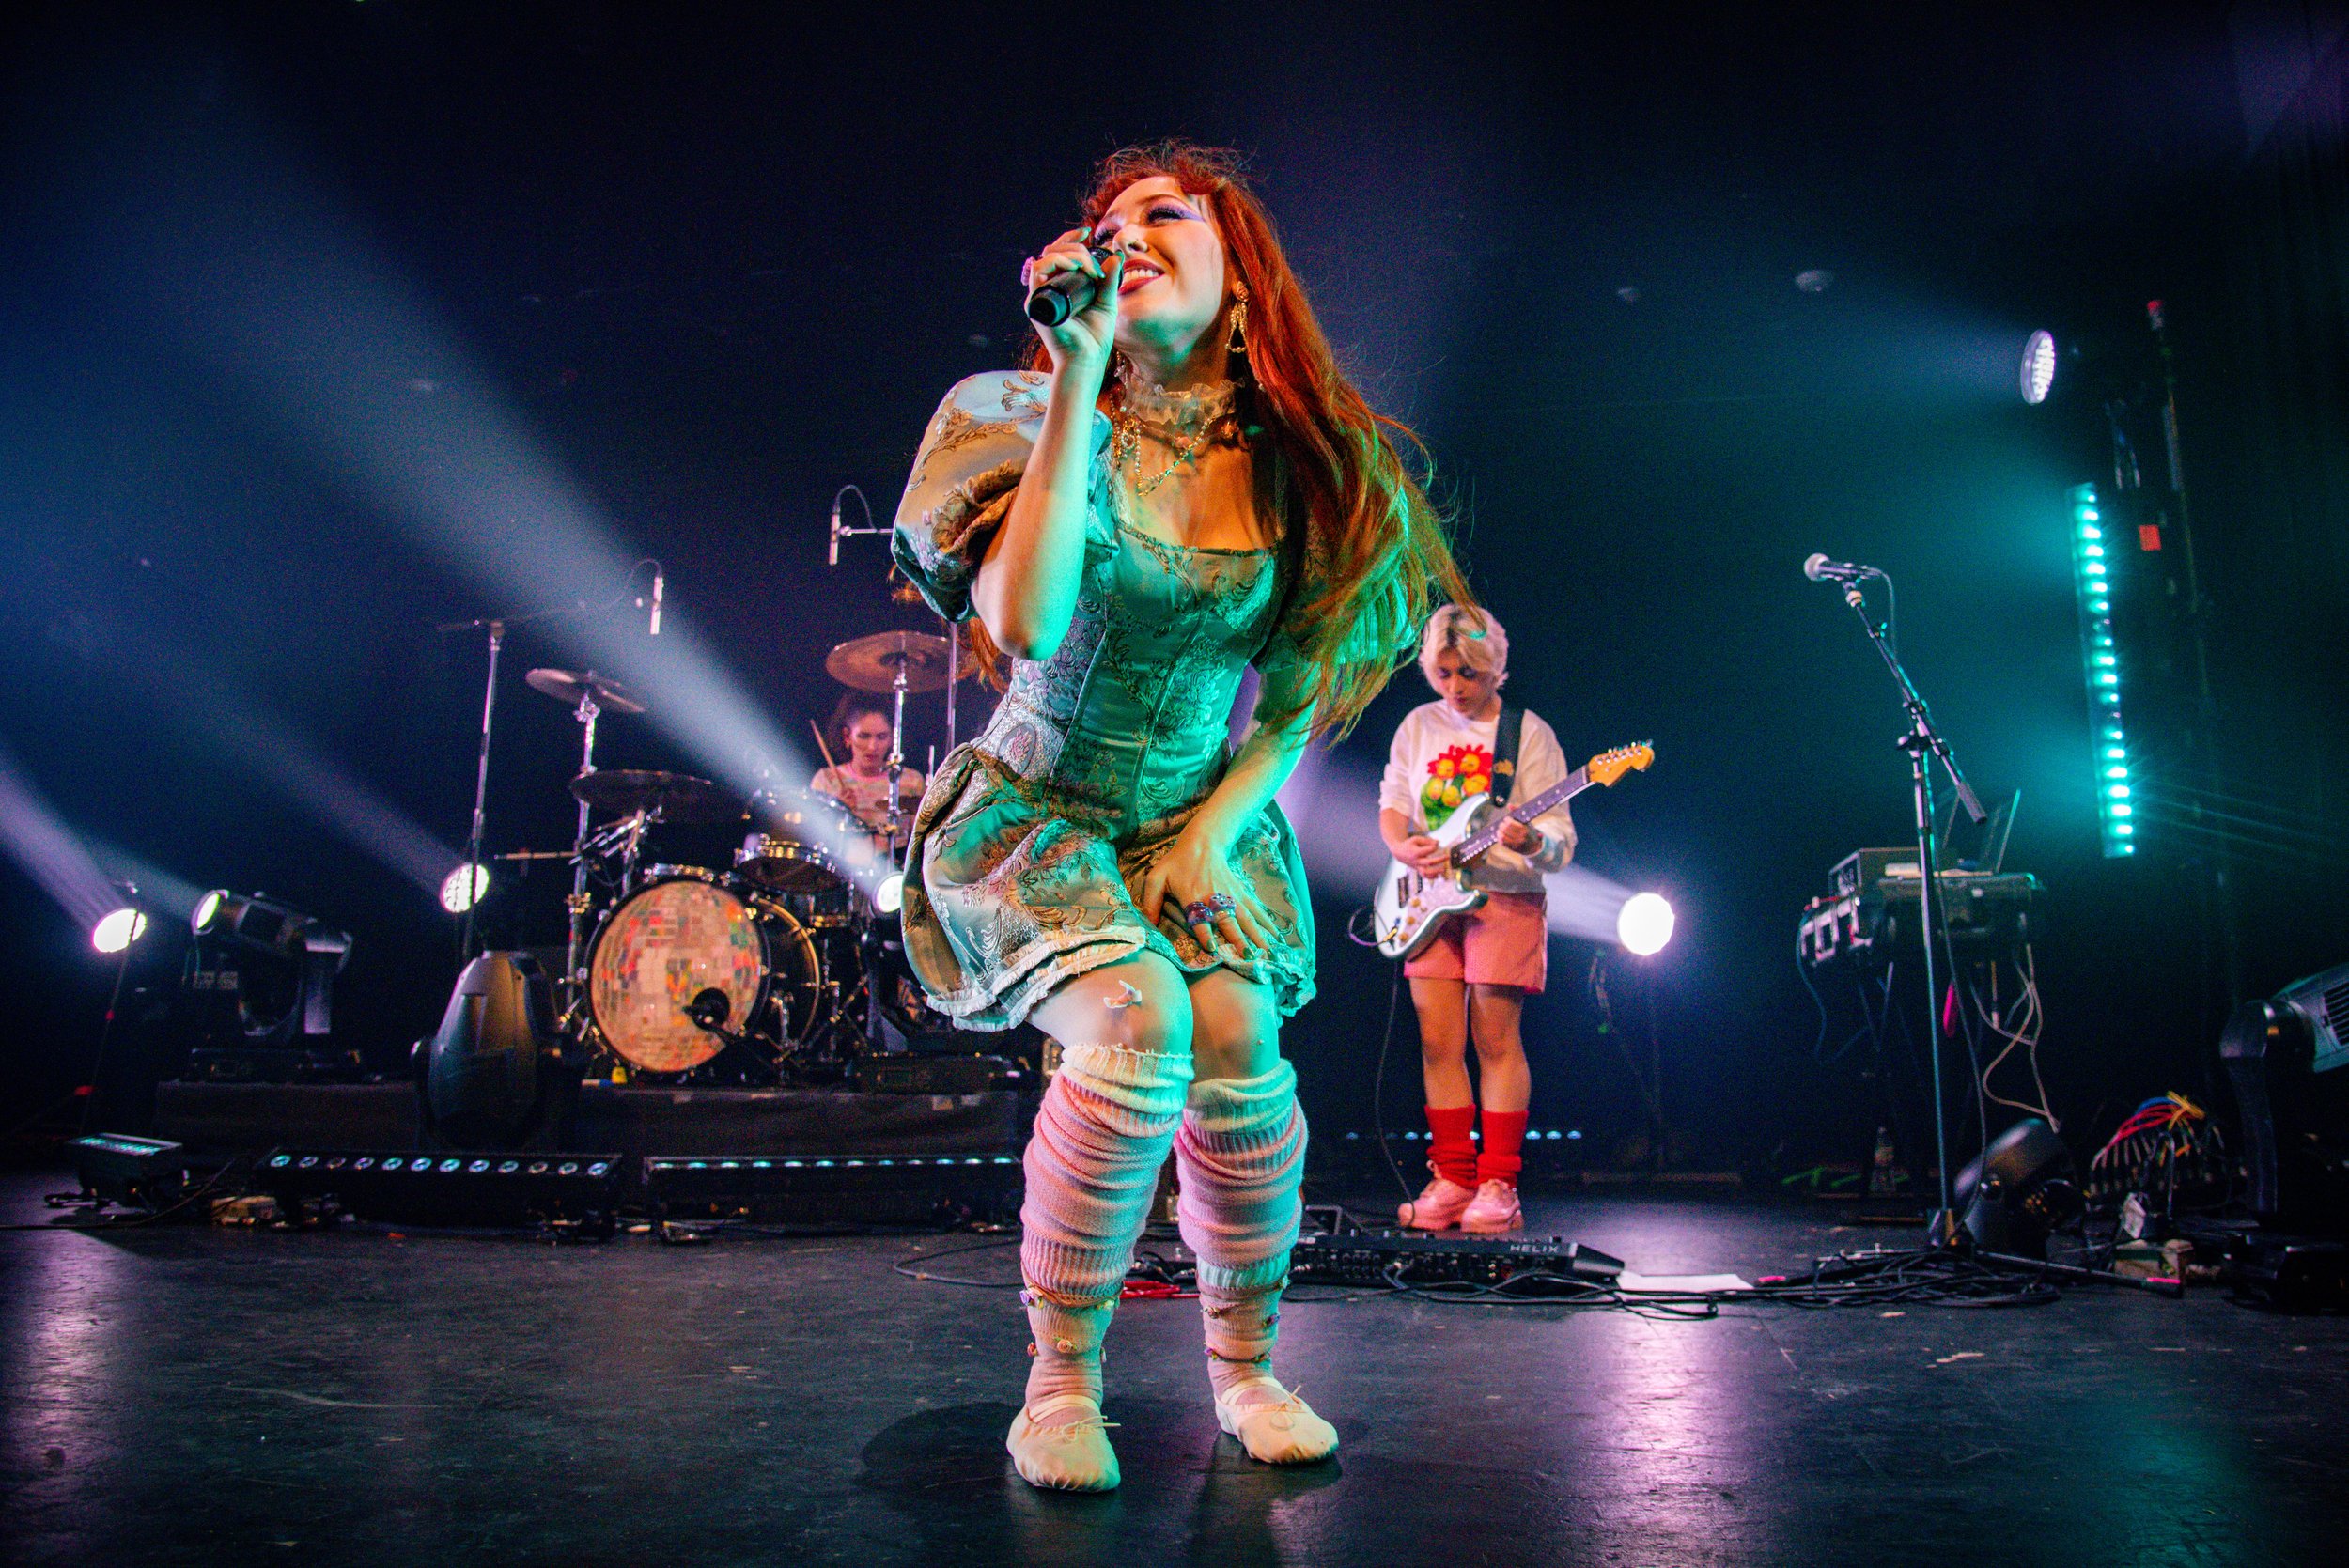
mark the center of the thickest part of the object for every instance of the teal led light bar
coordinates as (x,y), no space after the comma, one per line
(2092,575)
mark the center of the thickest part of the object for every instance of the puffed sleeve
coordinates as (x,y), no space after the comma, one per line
(963,480)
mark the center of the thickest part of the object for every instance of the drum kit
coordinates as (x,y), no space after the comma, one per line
(782,965)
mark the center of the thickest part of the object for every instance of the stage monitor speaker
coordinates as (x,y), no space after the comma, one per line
(496,1075)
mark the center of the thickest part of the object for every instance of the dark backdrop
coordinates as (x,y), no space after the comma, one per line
(683,272)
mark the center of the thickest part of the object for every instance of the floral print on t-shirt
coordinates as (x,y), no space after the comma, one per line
(1456,773)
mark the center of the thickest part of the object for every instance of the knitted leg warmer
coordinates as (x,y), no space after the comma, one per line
(1092,1166)
(1241,1152)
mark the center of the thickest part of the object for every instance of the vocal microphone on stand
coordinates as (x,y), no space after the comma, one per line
(1061,296)
(836,531)
(1820,570)
(658,582)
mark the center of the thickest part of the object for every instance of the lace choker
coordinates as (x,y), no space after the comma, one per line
(1181,413)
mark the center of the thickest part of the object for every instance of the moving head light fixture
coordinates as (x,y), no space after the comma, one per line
(284,987)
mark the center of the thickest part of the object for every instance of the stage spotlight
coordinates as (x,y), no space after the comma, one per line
(889,894)
(459,892)
(117,930)
(1645,923)
(267,969)
(2039,366)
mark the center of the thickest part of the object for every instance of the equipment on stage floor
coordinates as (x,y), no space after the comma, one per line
(570,1190)
(2283,1056)
(2018,1190)
(257,997)
(497,1074)
(1369,1258)
(1410,907)
(835,1189)
(135,1173)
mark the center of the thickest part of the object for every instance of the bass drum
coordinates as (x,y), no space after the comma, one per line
(679,938)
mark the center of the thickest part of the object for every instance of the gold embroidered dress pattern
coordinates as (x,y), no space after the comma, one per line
(1033,837)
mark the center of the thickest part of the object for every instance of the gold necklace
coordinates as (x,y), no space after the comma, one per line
(1190,417)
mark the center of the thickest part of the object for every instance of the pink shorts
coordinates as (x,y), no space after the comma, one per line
(1502,941)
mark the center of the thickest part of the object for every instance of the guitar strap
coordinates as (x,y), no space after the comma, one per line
(1505,734)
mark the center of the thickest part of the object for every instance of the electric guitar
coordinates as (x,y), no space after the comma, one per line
(1409,907)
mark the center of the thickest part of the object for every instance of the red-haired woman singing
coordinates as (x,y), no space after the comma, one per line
(1182,484)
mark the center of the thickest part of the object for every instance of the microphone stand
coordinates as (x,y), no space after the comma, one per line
(496,625)
(1923,743)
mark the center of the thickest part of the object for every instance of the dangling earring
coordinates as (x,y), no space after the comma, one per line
(1239,344)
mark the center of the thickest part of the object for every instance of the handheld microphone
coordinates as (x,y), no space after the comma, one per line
(1820,570)
(657,585)
(835,532)
(1061,296)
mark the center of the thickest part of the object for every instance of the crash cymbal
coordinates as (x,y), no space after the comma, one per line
(672,797)
(568,686)
(871,663)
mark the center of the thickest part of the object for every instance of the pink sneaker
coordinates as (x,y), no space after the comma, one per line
(1438,1207)
(1494,1209)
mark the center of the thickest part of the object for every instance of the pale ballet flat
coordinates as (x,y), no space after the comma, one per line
(1065,1457)
(1276,1432)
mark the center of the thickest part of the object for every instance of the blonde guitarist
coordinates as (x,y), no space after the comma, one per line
(1469,980)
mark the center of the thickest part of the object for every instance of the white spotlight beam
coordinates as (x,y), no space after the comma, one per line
(38,841)
(258,272)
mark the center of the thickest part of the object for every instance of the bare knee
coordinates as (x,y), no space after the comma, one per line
(1138,1003)
(1236,1027)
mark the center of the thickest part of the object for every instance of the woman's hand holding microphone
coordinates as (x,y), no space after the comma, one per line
(1083,342)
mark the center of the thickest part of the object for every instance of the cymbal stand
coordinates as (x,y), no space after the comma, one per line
(579,903)
(480,795)
(896,748)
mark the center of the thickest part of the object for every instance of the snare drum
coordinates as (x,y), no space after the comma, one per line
(681,935)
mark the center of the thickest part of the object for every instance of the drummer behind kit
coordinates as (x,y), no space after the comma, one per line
(780,966)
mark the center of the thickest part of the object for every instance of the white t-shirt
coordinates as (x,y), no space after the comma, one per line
(1439,760)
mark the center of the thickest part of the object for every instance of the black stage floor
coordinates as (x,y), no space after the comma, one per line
(191,1395)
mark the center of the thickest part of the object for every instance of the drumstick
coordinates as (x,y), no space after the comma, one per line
(826,750)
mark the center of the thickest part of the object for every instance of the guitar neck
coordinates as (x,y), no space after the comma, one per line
(1490,834)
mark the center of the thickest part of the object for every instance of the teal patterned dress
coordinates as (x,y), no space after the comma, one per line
(1032,840)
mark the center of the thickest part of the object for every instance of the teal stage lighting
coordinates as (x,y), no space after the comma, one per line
(2092,579)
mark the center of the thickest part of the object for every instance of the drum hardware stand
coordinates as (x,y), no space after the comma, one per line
(578,903)
(953,643)
(1923,743)
(497,627)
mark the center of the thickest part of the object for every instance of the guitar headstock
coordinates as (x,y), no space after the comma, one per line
(1607,767)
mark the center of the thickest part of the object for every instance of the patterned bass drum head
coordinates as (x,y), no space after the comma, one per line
(663,946)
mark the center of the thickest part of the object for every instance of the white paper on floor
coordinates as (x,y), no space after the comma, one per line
(1677,1283)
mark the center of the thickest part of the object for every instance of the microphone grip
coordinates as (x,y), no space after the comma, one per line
(1057,298)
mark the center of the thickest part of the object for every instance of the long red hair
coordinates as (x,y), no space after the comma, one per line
(1374,551)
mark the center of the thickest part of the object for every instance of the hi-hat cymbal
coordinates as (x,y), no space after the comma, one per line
(672,797)
(568,686)
(871,663)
